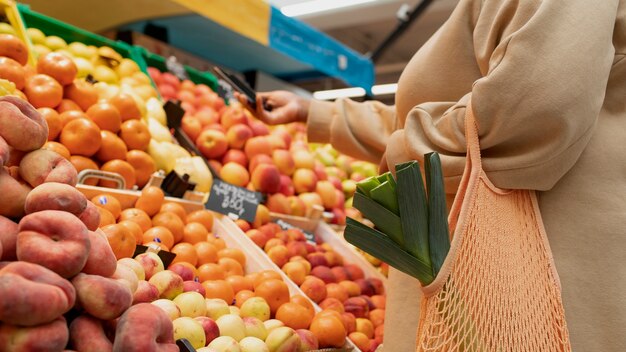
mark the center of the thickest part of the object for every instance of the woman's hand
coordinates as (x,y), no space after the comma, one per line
(278,107)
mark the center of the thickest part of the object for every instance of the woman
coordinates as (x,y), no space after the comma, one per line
(547,80)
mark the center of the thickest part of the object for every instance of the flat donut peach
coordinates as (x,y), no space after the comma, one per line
(21,125)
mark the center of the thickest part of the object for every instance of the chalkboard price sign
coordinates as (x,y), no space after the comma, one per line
(310,237)
(236,202)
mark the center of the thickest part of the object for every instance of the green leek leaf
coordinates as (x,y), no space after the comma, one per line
(439,235)
(366,185)
(385,220)
(385,195)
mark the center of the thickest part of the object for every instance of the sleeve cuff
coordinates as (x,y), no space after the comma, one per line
(319,121)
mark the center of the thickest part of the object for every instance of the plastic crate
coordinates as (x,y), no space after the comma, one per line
(198,77)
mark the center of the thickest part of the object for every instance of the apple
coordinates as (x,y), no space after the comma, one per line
(255,307)
(191,304)
(168,283)
(169,307)
(190,329)
(215,308)
(232,325)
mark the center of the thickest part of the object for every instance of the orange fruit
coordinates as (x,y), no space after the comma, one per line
(126,105)
(158,245)
(294,315)
(304,302)
(109,203)
(242,296)
(159,234)
(137,216)
(121,167)
(172,222)
(203,216)
(176,209)
(210,271)
(240,283)
(265,275)
(135,134)
(230,266)
(219,289)
(218,243)
(57,148)
(68,105)
(106,116)
(150,200)
(71,115)
(81,137)
(134,228)
(81,163)
(55,124)
(329,330)
(194,232)
(112,147)
(233,253)
(274,292)
(143,164)
(82,93)
(121,240)
(207,253)
(185,252)
(106,218)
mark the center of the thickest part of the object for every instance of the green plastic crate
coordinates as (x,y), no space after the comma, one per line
(197,77)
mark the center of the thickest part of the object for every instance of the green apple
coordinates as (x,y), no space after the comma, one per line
(54,43)
(253,344)
(256,307)
(191,304)
(190,329)
(231,325)
(6,28)
(36,36)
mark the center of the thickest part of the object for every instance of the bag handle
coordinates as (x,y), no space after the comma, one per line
(471,136)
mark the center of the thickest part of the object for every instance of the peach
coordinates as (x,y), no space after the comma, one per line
(296,205)
(52,336)
(212,143)
(14,195)
(360,340)
(257,145)
(357,306)
(127,276)
(151,263)
(379,333)
(257,237)
(237,135)
(8,239)
(278,203)
(332,304)
(253,344)
(284,161)
(351,287)
(283,339)
(101,260)
(337,291)
(21,126)
(304,180)
(314,288)
(191,304)
(55,196)
(32,294)
(168,283)
(232,116)
(297,248)
(354,271)
(324,273)
(366,287)
(303,159)
(304,262)
(278,255)
(259,128)
(101,297)
(326,190)
(194,286)
(311,200)
(379,287)
(377,317)
(320,171)
(235,174)
(317,259)
(286,186)
(135,266)
(255,328)
(211,330)
(90,216)
(87,334)
(216,307)
(333,259)
(266,178)
(284,135)
(365,326)
(258,160)
(231,325)
(54,239)
(236,156)
(169,307)
(349,322)
(182,270)
(43,165)
(308,341)
(144,327)
(255,307)
(296,271)
(145,293)
(379,301)
(222,344)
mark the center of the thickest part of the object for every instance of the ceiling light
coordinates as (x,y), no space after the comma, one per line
(309,7)
(384,89)
(339,93)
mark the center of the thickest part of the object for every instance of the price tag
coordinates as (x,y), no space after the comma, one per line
(184,345)
(176,68)
(310,237)
(236,202)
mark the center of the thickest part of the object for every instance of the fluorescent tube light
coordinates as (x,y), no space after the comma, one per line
(385,89)
(339,93)
(309,7)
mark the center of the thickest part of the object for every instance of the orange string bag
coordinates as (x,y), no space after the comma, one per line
(498,289)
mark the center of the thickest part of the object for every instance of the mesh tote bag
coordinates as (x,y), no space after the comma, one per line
(498,289)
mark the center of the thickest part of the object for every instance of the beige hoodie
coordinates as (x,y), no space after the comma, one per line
(548,84)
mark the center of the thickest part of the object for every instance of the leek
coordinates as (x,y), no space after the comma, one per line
(383,219)
(439,235)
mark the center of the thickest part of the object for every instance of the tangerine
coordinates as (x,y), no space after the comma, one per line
(159,234)
(294,315)
(143,164)
(329,330)
(137,216)
(194,232)
(70,115)
(230,266)
(82,163)
(303,301)
(275,292)
(81,137)
(57,148)
(158,245)
(121,167)
(207,253)
(134,228)
(172,222)
(106,116)
(109,203)
(150,200)
(210,271)
(121,240)
(127,106)
(82,93)
(242,296)
(219,289)
(135,134)
(240,283)
(106,218)
(112,147)
(234,253)
(176,209)
(203,216)
(185,252)
(67,105)
(266,275)
(55,124)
